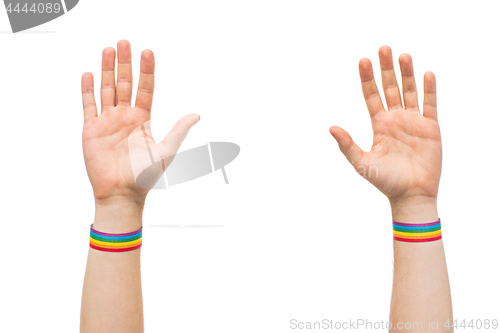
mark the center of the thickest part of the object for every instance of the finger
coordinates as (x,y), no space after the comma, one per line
(146,87)
(369,86)
(389,82)
(89,106)
(172,142)
(124,79)
(410,96)
(108,90)
(350,150)
(430,97)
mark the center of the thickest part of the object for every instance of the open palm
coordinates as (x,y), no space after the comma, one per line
(118,143)
(405,159)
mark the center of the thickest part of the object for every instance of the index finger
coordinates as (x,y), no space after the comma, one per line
(369,86)
(144,99)
(430,100)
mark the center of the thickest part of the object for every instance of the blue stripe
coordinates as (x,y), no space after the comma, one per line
(417,228)
(110,237)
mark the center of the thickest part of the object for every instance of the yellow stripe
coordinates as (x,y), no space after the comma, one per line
(427,237)
(419,235)
(125,244)
(114,247)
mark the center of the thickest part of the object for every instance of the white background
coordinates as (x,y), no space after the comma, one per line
(303,236)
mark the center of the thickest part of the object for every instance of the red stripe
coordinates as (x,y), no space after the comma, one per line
(116,249)
(417,240)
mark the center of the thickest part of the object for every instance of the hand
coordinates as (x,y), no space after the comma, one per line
(405,160)
(121,134)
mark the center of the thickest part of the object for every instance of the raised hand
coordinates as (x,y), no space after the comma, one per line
(405,160)
(118,144)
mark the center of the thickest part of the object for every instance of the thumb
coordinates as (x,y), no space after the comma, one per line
(173,140)
(350,150)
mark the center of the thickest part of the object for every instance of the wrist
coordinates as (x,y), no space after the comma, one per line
(118,216)
(415,210)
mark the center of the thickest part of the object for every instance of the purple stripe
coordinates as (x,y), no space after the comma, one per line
(116,235)
(416,224)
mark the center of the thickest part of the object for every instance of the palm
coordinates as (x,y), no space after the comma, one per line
(407,154)
(405,159)
(117,143)
(106,145)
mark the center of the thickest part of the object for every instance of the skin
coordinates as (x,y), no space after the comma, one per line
(115,150)
(405,163)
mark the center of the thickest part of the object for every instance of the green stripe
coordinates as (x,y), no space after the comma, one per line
(417,231)
(115,240)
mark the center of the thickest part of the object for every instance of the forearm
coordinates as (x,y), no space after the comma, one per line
(112,295)
(421,289)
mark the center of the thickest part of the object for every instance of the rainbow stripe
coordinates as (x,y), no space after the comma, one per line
(103,241)
(417,233)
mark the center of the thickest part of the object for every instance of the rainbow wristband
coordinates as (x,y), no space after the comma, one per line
(103,241)
(417,233)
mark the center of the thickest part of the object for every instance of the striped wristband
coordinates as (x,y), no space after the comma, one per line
(103,241)
(417,233)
